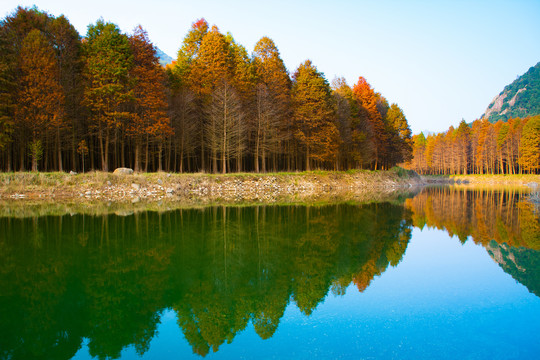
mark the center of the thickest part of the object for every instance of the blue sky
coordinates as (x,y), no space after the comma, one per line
(440,61)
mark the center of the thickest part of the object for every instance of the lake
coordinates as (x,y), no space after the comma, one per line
(446,272)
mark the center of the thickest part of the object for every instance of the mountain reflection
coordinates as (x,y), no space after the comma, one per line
(108,279)
(503,221)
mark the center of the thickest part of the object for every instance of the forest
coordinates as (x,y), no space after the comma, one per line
(511,147)
(102,101)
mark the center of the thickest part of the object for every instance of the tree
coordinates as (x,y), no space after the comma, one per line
(210,69)
(13,31)
(225,130)
(355,133)
(183,114)
(418,161)
(108,62)
(67,44)
(82,149)
(6,102)
(270,129)
(400,133)
(243,81)
(149,121)
(369,113)
(190,50)
(40,94)
(463,144)
(529,148)
(314,115)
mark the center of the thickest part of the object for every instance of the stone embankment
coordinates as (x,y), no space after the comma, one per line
(133,188)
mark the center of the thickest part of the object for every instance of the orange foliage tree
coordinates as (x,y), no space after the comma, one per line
(149,121)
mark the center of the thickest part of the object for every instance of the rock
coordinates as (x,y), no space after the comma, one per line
(160,182)
(123,171)
(136,186)
(72,172)
(109,183)
(170,191)
(532,185)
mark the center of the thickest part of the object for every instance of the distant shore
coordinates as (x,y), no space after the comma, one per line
(485,179)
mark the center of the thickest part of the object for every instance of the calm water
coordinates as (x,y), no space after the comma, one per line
(447,273)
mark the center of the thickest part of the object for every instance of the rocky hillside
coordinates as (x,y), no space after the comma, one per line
(519,99)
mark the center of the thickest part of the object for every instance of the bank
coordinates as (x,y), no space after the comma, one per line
(268,187)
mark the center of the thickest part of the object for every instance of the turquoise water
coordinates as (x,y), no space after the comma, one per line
(336,281)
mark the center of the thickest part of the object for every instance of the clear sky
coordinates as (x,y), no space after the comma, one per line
(440,61)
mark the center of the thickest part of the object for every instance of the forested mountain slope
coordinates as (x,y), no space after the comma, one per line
(519,99)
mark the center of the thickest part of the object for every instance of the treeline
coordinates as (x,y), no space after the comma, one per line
(511,147)
(103,101)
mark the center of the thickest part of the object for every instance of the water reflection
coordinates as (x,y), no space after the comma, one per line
(106,280)
(503,221)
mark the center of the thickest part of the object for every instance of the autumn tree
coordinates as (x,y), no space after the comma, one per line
(183,113)
(463,146)
(356,150)
(418,161)
(108,62)
(13,31)
(225,128)
(243,81)
(40,94)
(210,69)
(189,50)
(314,115)
(369,113)
(149,121)
(272,105)
(185,103)
(529,148)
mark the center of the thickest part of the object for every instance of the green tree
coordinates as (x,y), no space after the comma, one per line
(314,115)
(108,62)
(401,135)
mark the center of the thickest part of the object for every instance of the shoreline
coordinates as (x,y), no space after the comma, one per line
(199,187)
(98,193)
(234,187)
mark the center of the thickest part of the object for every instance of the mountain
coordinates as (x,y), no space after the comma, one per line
(164,59)
(519,99)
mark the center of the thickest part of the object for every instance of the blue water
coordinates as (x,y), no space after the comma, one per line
(443,300)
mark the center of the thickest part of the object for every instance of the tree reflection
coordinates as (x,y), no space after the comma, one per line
(504,222)
(108,279)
